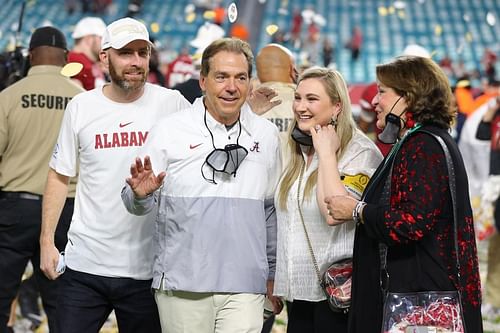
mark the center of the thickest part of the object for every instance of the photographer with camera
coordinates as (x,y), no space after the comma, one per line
(13,67)
(14,64)
(31,112)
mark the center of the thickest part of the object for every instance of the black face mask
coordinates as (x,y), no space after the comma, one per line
(225,160)
(301,137)
(390,133)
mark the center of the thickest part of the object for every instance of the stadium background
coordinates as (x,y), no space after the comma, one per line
(462,31)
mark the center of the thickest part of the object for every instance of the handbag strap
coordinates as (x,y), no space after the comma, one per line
(313,257)
(452,185)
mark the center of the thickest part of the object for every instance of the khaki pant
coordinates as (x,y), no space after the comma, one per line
(493,276)
(187,312)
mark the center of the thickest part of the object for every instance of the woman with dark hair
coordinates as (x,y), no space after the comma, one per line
(407,207)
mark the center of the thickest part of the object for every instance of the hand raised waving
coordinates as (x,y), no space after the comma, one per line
(142,179)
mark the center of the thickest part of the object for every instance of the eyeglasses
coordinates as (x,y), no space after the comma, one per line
(225,160)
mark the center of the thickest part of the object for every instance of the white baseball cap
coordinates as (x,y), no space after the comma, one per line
(123,31)
(89,26)
(416,50)
(207,34)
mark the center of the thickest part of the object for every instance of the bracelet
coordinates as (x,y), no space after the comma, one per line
(356,216)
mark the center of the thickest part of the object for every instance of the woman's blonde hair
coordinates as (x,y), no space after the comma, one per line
(337,91)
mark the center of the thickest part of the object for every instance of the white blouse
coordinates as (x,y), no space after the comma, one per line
(296,278)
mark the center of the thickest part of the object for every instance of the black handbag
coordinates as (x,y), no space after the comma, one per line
(336,280)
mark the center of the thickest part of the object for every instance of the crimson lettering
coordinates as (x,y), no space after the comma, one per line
(122,139)
(124,136)
(133,139)
(116,140)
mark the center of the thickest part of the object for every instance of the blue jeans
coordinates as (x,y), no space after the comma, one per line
(85,302)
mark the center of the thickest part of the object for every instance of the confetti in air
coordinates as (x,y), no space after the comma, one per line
(190,8)
(438,30)
(209,15)
(155,27)
(190,17)
(71,69)
(491,19)
(399,4)
(271,29)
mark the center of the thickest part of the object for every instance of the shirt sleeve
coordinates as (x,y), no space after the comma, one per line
(358,170)
(182,102)
(4,132)
(65,153)
(419,191)
(270,210)
(155,150)
(137,206)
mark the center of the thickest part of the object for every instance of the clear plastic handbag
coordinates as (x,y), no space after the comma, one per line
(423,312)
(336,284)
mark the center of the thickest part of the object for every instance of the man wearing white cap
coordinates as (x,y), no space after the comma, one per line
(190,88)
(109,252)
(87,36)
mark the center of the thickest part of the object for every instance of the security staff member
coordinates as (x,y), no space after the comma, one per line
(31,112)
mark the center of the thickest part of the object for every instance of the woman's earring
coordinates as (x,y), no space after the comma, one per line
(334,122)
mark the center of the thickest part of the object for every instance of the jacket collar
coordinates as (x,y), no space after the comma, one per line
(246,115)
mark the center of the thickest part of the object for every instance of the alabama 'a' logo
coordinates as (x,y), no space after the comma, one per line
(255,147)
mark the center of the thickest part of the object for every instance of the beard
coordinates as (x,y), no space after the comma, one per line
(123,83)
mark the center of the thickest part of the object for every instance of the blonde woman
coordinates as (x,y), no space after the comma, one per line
(328,156)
